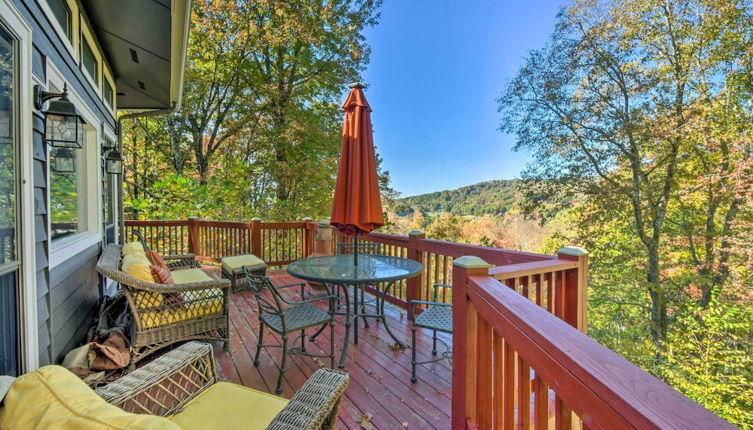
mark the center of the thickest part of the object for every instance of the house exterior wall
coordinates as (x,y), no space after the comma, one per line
(64,285)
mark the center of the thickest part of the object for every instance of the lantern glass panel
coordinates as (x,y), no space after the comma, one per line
(63,161)
(64,131)
(114,167)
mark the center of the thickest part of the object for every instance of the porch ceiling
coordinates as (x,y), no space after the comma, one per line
(144,41)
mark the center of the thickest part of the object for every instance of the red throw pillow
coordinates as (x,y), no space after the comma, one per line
(157,260)
(161,275)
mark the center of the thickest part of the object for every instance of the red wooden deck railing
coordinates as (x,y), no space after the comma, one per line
(521,359)
(277,243)
(557,282)
(516,365)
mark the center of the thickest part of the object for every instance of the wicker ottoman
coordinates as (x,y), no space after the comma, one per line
(232,268)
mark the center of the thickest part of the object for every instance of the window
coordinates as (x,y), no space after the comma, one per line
(66,186)
(62,15)
(9,208)
(88,60)
(107,93)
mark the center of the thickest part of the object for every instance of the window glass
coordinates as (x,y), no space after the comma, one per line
(9,300)
(66,192)
(62,15)
(88,60)
(107,93)
(8,168)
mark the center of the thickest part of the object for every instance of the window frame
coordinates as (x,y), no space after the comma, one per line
(68,29)
(85,45)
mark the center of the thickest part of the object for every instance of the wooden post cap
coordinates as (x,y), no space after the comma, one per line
(417,233)
(573,251)
(308,218)
(356,85)
(471,262)
(256,218)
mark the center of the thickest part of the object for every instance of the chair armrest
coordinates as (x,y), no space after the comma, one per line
(295,284)
(180,261)
(164,386)
(311,300)
(316,405)
(279,287)
(412,303)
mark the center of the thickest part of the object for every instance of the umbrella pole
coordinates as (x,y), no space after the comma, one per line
(355,249)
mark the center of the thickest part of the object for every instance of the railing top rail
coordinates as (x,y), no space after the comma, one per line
(223,224)
(532,268)
(154,223)
(602,387)
(387,239)
(494,256)
(289,224)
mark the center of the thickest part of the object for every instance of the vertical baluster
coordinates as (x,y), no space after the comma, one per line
(549,291)
(539,286)
(524,394)
(541,405)
(508,407)
(484,396)
(498,380)
(563,418)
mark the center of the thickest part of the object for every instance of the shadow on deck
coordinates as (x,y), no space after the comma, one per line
(380,392)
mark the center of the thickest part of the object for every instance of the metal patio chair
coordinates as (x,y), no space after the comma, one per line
(436,317)
(284,317)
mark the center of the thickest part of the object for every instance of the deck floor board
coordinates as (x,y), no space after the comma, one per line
(380,384)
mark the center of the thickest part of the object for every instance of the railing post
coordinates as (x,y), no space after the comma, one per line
(323,238)
(308,231)
(464,350)
(193,235)
(576,287)
(256,237)
(414,284)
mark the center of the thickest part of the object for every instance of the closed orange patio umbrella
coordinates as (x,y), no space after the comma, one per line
(357,205)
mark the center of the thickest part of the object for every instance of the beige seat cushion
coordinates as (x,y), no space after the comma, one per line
(187,276)
(236,262)
(230,406)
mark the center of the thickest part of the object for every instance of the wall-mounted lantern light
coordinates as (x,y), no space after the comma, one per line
(64,126)
(63,160)
(113,159)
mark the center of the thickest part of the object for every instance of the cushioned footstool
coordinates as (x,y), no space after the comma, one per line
(232,268)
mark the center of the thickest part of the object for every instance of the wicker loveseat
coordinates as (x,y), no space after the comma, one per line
(194,308)
(177,391)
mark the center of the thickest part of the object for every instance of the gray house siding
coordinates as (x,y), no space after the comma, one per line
(67,295)
(42,246)
(74,292)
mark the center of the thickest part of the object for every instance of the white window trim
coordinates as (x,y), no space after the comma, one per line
(15,22)
(58,29)
(65,248)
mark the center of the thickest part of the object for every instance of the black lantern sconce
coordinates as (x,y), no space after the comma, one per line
(64,126)
(112,157)
(63,160)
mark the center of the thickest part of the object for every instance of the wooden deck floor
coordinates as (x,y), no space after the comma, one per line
(380,394)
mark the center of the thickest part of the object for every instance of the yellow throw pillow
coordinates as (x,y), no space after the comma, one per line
(131,247)
(134,266)
(54,398)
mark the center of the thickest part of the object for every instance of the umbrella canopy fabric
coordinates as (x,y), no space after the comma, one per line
(357,206)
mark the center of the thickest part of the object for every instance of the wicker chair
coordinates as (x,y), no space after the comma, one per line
(164,314)
(436,317)
(291,317)
(167,385)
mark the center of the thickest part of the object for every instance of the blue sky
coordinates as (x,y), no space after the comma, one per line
(436,69)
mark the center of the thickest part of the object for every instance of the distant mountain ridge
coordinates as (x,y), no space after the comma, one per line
(490,197)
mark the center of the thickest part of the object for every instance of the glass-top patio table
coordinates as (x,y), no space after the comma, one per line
(373,270)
